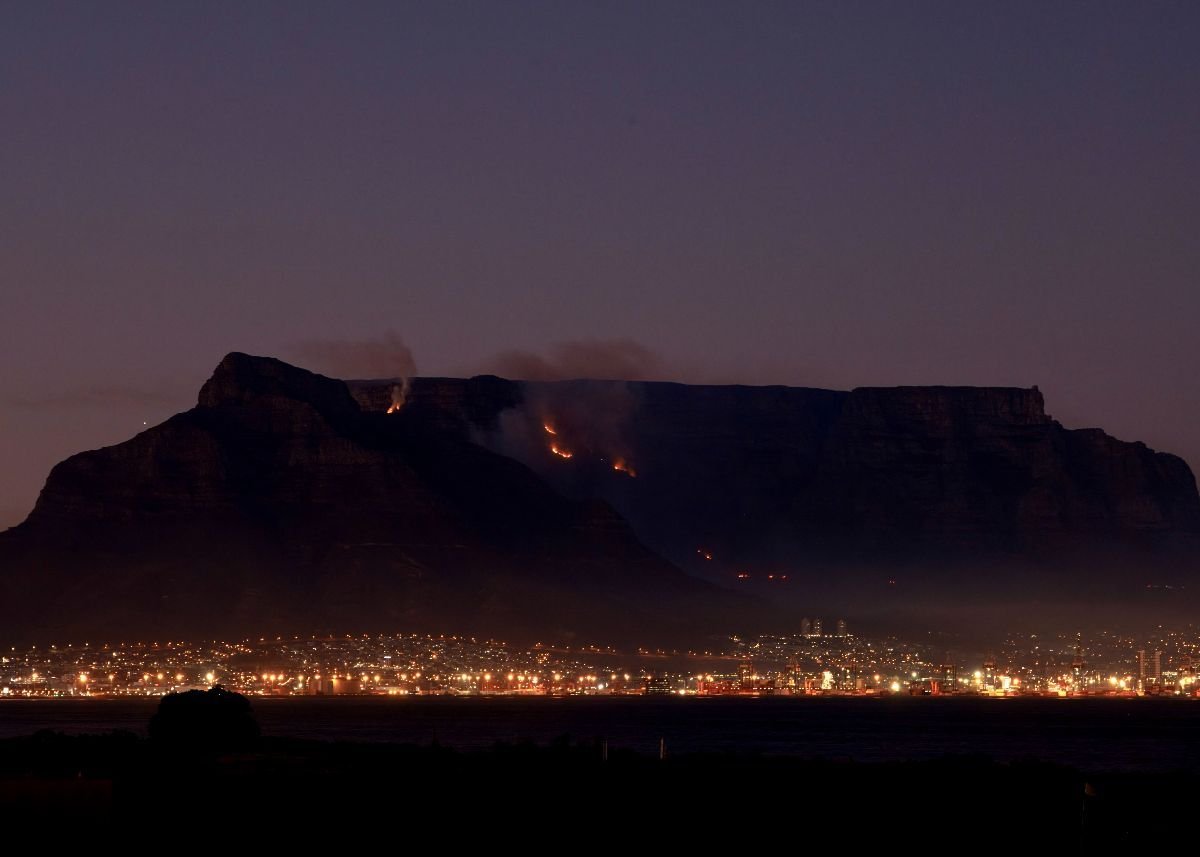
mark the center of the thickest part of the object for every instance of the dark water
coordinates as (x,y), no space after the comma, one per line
(1099,734)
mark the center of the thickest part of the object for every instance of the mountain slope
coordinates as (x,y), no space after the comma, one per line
(286,502)
(821,483)
(277,506)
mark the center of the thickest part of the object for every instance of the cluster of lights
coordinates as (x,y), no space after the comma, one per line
(402,665)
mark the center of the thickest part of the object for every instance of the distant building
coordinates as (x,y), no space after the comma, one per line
(816,628)
(805,627)
(841,628)
(989,672)
(747,679)
(658,685)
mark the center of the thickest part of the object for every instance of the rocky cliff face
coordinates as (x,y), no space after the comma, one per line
(279,505)
(783,478)
(289,502)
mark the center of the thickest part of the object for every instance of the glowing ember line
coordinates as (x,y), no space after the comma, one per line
(549,430)
(561,453)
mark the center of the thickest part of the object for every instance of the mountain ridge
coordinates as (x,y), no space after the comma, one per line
(276,504)
(908,469)
(288,502)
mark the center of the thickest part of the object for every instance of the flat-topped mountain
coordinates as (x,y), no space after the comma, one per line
(777,478)
(288,502)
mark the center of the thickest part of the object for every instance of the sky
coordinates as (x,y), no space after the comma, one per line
(822,194)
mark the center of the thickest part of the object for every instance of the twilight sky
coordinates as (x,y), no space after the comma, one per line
(824,194)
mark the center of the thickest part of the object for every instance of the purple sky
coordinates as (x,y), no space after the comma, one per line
(825,194)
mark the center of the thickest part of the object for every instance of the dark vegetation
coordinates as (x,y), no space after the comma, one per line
(204,721)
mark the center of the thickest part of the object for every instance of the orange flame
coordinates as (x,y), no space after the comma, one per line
(561,453)
(399,396)
(621,467)
(549,429)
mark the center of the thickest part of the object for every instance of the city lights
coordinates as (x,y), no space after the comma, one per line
(809,663)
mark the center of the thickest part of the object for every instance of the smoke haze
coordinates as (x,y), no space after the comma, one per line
(386,356)
(619,359)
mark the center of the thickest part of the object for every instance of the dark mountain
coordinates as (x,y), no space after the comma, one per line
(944,485)
(289,502)
(277,505)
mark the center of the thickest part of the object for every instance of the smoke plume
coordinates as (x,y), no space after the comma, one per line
(361,359)
(587,420)
(609,359)
(399,396)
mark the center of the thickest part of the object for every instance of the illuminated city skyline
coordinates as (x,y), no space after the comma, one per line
(1103,664)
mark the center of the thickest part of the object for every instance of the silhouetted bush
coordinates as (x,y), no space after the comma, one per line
(212,720)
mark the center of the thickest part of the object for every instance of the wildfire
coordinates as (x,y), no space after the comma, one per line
(704,553)
(621,467)
(554,447)
(399,396)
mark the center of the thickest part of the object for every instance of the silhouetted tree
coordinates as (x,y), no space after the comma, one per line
(212,720)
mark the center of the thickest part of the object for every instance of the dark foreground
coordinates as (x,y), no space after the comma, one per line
(1091,735)
(584,792)
(941,775)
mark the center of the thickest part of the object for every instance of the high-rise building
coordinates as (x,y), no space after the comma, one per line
(841,627)
(989,672)
(816,627)
(746,675)
(805,627)
(659,685)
